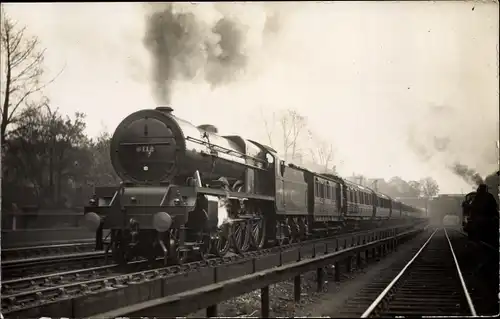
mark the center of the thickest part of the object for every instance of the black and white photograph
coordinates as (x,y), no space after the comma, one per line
(334,159)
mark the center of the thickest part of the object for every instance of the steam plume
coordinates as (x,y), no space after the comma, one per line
(188,44)
(440,136)
(468,174)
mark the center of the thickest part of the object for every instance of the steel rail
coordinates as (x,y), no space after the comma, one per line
(462,281)
(382,295)
(57,274)
(27,262)
(95,272)
(47,265)
(22,253)
(50,246)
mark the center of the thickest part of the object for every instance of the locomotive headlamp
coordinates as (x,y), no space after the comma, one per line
(162,222)
(92,221)
(270,158)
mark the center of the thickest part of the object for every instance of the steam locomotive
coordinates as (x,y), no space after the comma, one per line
(477,224)
(188,192)
(466,212)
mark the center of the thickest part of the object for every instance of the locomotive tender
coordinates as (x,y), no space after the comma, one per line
(188,191)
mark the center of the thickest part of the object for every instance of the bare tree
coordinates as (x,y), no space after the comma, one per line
(292,124)
(22,69)
(429,187)
(322,153)
(269,128)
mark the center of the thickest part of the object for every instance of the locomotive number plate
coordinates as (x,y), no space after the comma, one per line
(146,149)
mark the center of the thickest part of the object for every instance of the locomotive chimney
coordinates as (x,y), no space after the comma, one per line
(166,109)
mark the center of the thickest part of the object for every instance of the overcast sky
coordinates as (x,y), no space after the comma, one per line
(369,76)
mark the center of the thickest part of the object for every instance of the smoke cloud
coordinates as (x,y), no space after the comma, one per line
(469,175)
(448,139)
(186,43)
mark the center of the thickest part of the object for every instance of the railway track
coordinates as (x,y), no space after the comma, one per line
(27,267)
(10,254)
(435,278)
(18,297)
(30,289)
(431,283)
